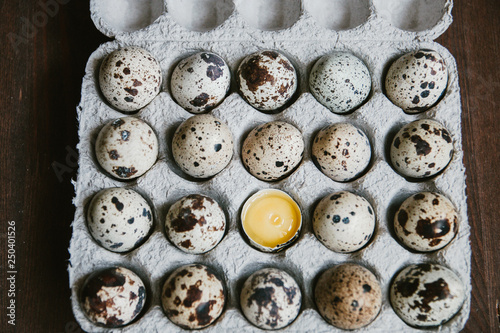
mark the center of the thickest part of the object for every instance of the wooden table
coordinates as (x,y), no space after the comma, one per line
(41,80)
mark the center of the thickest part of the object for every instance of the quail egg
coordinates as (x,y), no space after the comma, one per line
(130,78)
(421,149)
(126,148)
(272,151)
(119,219)
(195,224)
(426,295)
(344,221)
(200,82)
(202,146)
(271,220)
(426,222)
(113,297)
(348,296)
(416,81)
(340,81)
(193,297)
(341,151)
(267,80)
(270,299)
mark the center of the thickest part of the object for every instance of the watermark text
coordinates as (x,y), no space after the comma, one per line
(30,26)
(11,272)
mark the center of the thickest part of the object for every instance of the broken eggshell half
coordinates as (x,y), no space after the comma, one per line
(271,220)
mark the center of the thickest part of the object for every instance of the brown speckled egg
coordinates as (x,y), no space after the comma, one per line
(130,78)
(421,149)
(126,148)
(202,146)
(341,151)
(417,80)
(348,296)
(273,150)
(426,222)
(340,81)
(193,297)
(113,297)
(200,82)
(195,224)
(270,299)
(426,295)
(119,219)
(267,80)
(344,221)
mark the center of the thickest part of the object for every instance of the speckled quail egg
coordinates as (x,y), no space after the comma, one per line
(341,151)
(119,219)
(193,297)
(126,148)
(113,297)
(195,224)
(421,149)
(200,82)
(426,222)
(416,81)
(130,78)
(348,296)
(344,221)
(426,295)
(267,80)
(270,299)
(272,151)
(202,146)
(340,81)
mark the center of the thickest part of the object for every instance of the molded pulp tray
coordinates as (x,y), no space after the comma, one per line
(304,34)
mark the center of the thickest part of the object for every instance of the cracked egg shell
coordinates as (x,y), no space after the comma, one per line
(348,296)
(195,224)
(126,148)
(421,149)
(267,80)
(202,146)
(193,297)
(344,222)
(270,299)
(272,151)
(200,82)
(340,81)
(119,219)
(426,222)
(130,78)
(271,220)
(341,151)
(113,297)
(416,81)
(426,295)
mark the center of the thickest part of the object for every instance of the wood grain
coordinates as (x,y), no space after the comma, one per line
(41,83)
(40,90)
(474,41)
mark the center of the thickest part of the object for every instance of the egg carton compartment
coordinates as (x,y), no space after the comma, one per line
(234,258)
(272,19)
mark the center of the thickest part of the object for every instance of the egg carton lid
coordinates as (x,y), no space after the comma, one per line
(264,20)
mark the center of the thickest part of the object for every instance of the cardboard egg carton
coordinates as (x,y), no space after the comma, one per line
(377,32)
(272,19)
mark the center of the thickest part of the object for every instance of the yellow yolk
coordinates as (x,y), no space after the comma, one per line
(270,218)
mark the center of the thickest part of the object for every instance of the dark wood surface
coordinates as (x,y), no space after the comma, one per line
(40,77)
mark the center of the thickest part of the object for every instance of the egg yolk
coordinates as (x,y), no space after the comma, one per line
(271,218)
